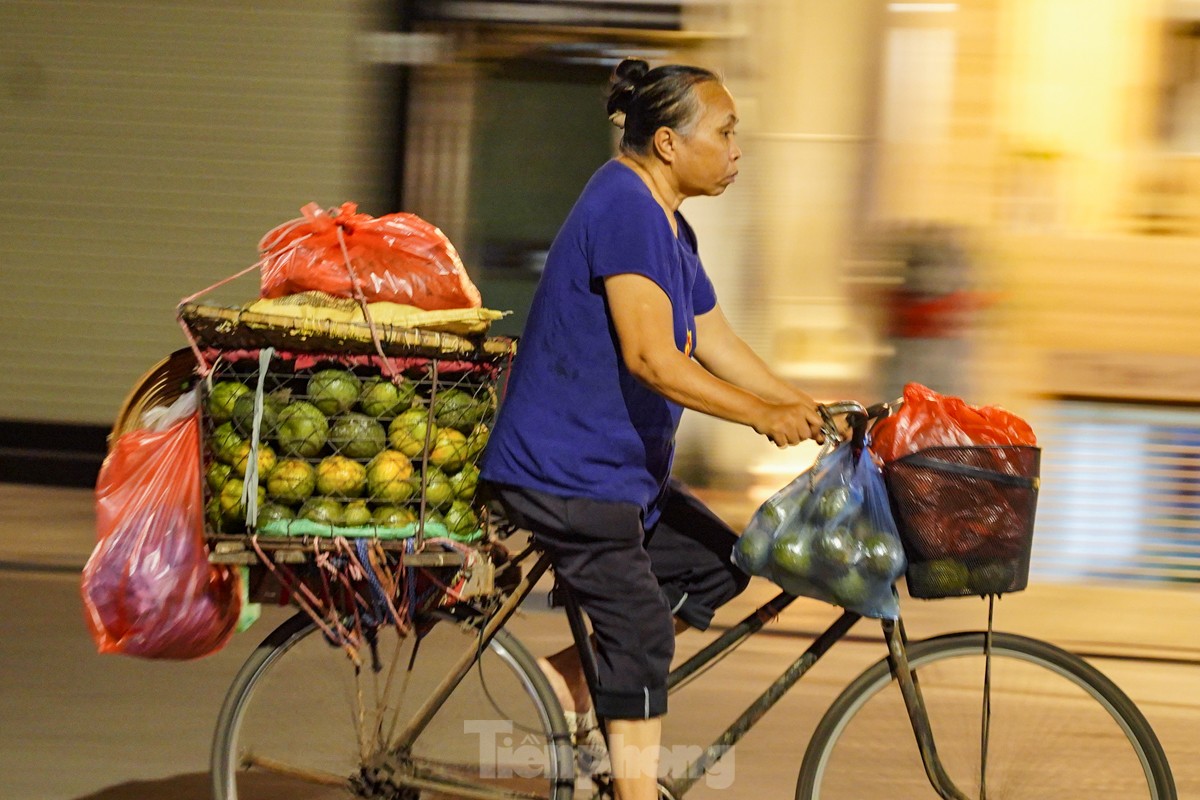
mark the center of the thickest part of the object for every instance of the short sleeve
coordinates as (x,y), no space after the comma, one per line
(632,236)
(704,296)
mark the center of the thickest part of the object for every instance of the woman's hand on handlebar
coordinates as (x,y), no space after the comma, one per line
(791,423)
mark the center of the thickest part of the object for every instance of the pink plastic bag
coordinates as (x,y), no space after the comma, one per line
(399,258)
(148,588)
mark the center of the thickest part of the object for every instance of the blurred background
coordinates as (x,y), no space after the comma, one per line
(997,198)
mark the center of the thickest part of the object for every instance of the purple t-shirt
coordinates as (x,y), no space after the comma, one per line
(574,422)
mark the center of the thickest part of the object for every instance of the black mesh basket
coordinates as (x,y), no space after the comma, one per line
(965,515)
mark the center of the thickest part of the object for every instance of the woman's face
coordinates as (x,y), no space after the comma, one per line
(706,159)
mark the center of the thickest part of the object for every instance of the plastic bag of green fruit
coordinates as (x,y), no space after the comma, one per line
(830,535)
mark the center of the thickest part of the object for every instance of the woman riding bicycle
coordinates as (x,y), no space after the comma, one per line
(624,333)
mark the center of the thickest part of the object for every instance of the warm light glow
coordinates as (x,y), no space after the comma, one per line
(922,8)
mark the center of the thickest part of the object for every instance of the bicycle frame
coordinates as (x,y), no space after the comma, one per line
(678,785)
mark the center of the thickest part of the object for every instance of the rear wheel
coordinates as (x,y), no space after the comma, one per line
(1058,728)
(300,721)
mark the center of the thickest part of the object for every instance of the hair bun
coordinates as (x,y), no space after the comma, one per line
(621,86)
(631,70)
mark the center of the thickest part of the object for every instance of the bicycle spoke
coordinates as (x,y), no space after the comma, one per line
(432,776)
(306,713)
(317,777)
(1055,727)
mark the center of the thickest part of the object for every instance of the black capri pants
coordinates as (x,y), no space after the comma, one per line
(630,581)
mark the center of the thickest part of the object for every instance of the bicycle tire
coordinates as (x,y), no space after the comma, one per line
(1059,728)
(503,728)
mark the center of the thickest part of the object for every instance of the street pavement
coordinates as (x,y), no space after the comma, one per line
(75,725)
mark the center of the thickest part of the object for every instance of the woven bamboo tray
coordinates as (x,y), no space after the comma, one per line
(237,328)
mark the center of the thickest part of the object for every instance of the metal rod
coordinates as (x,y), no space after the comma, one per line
(753,623)
(696,769)
(308,775)
(469,656)
(918,715)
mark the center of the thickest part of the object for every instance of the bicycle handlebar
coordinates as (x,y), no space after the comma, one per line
(860,417)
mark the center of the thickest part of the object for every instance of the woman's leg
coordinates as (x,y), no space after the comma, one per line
(633,745)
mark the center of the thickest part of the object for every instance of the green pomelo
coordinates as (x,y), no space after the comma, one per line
(381,397)
(477,440)
(388,477)
(393,516)
(407,432)
(217,473)
(850,590)
(460,518)
(753,550)
(301,429)
(322,510)
(338,476)
(448,450)
(272,512)
(832,502)
(943,576)
(243,415)
(439,492)
(233,511)
(291,481)
(792,553)
(454,408)
(223,442)
(835,549)
(882,554)
(266,459)
(992,577)
(357,436)
(465,481)
(222,398)
(356,514)
(333,391)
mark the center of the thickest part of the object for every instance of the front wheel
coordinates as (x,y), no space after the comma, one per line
(1058,728)
(302,721)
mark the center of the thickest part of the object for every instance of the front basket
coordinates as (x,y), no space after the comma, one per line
(966,516)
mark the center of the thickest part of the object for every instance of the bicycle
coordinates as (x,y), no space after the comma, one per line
(992,714)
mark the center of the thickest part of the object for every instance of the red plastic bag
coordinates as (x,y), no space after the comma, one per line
(399,258)
(929,419)
(148,587)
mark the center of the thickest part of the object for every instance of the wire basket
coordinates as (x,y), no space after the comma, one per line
(342,450)
(965,515)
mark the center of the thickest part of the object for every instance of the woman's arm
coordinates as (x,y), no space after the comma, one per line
(642,315)
(724,354)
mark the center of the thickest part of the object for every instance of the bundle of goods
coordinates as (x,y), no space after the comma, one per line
(941,492)
(963,481)
(829,534)
(321,445)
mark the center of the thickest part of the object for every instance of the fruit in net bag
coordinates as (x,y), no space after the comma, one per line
(322,510)
(357,436)
(291,481)
(381,397)
(338,476)
(223,397)
(407,432)
(356,514)
(302,429)
(333,391)
(388,477)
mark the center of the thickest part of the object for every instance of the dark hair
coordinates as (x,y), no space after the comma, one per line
(642,100)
